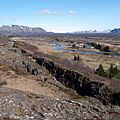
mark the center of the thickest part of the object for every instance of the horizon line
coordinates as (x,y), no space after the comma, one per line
(74,31)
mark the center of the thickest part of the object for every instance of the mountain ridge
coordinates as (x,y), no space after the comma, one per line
(21,30)
(33,31)
(116,31)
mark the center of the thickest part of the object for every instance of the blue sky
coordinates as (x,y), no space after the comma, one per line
(62,15)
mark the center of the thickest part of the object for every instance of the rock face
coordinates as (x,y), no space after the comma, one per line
(18,105)
(82,85)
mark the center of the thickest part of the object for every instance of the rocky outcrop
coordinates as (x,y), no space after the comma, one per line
(30,68)
(115,98)
(27,65)
(72,79)
(18,51)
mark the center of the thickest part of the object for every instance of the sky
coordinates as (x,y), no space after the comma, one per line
(61,15)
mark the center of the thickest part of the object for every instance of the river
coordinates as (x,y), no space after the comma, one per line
(60,47)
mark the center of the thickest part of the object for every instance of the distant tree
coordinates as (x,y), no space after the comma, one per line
(106,49)
(76,57)
(73,46)
(99,46)
(84,46)
(111,71)
(100,70)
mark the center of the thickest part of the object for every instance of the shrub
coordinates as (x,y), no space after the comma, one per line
(114,72)
(100,70)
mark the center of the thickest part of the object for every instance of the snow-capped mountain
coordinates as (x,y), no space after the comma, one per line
(17,30)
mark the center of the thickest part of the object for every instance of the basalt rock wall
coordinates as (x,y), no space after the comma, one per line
(72,79)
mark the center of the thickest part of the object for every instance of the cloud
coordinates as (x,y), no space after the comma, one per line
(49,13)
(71,12)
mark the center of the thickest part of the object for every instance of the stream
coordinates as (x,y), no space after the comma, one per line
(59,47)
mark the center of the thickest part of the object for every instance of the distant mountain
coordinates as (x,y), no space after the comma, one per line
(21,30)
(92,32)
(85,32)
(116,31)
